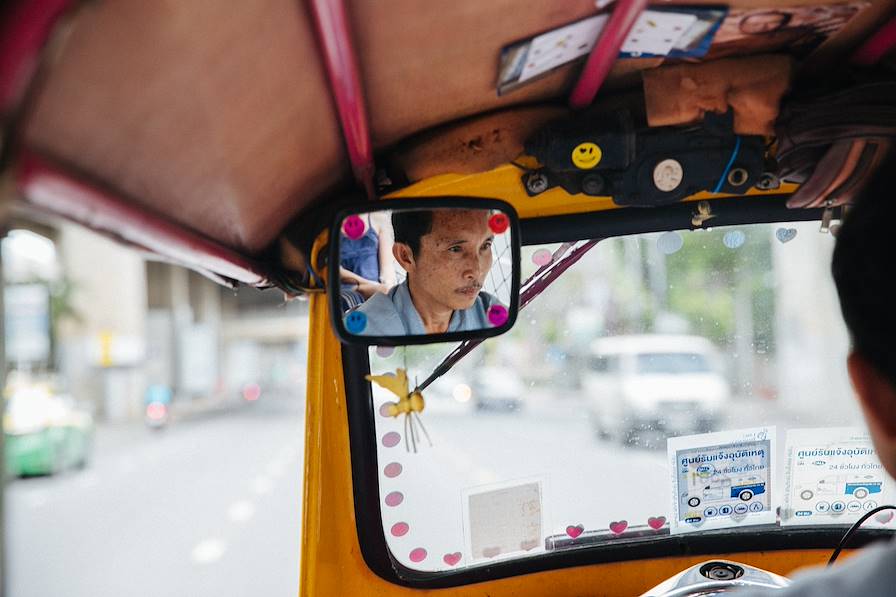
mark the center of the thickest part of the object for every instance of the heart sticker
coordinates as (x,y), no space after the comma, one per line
(884,517)
(618,527)
(400,529)
(394,499)
(499,223)
(451,558)
(392,470)
(574,531)
(391,439)
(417,555)
(542,257)
(656,522)
(353,227)
(497,315)
(491,552)
(785,235)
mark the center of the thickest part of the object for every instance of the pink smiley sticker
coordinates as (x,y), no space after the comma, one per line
(497,315)
(542,257)
(353,227)
(391,439)
(417,555)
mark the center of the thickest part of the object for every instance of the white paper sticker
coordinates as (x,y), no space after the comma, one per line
(562,45)
(504,520)
(656,33)
(833,476)
(722,480)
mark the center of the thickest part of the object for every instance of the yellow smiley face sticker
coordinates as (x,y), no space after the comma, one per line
(586,156)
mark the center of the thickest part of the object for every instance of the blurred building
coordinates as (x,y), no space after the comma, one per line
(105,323)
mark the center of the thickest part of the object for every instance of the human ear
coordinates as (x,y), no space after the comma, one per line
(404,256)
(876,395)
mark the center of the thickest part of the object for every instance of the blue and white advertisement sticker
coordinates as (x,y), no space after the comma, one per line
(833,476)
(722,480)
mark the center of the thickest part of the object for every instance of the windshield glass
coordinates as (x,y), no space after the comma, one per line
(672,363)
(556,434)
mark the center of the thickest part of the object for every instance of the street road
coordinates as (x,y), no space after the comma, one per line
(207,507)
(211,505)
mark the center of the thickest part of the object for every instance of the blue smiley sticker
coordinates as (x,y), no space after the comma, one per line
(355,322)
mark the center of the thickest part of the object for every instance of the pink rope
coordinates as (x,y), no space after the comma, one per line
(334,33)
(24,28)
(876,46)
(532,287)
(605,51)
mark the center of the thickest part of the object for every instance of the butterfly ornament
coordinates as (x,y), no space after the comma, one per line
(410,404)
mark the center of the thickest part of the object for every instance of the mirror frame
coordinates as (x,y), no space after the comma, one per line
(333,282)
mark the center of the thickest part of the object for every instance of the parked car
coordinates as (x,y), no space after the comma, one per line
(498,389)
(654,384)
(45,433)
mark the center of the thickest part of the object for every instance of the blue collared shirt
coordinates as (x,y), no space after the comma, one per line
(394,314)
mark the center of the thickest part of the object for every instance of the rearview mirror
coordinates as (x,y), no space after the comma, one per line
(431,270)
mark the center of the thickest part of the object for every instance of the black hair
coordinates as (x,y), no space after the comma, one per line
(863,271)
(408,225)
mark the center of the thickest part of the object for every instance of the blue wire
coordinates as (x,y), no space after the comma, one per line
(728,167)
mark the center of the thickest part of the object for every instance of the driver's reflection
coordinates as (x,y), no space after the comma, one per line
(446,254)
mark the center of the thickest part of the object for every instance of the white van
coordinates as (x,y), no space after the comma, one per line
(654,385)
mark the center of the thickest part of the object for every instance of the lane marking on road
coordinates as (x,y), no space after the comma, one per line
(262,485)
(241,511)
(208,551)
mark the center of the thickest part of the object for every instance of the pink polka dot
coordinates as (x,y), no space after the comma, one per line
(418,555)
(385,351)
(542,257)
(354,227)
(394,499)
(392,470)
(384,409)
(391,439)
(497,315)
(400,529)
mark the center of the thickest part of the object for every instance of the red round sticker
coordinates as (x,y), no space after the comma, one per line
(499,223)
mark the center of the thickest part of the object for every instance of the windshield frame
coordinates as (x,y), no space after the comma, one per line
(604,225)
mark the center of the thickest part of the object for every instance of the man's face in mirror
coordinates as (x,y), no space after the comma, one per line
(453,259)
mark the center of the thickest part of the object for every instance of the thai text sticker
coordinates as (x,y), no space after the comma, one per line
(722,479)
(833,476)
